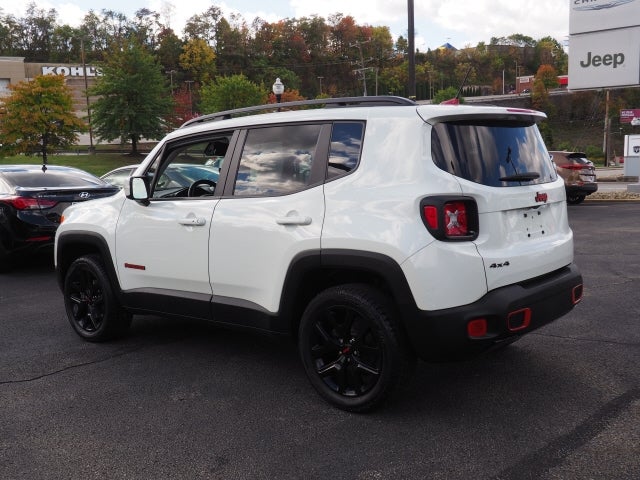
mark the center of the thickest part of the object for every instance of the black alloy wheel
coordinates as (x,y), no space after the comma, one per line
(351,347)
(92,308)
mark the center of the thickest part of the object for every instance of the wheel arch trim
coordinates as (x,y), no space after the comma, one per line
(92,242)
(356,261)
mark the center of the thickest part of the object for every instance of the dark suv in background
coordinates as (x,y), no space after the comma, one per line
(578,173)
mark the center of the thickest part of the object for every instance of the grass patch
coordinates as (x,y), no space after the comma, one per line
(97,164)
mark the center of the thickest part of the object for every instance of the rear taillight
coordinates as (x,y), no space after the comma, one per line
(573,167)
(450,218)
(29,203)
(455,217)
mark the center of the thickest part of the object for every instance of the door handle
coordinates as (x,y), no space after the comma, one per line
(293,220)
(192,221)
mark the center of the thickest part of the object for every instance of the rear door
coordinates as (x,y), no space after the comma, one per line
(272,210)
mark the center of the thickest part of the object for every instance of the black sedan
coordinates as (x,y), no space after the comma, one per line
(32,200)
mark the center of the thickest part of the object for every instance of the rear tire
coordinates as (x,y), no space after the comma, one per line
(575,199)
(351,347)
(92,307)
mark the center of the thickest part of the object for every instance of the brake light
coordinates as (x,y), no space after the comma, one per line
(28,203)
(573,167)
(450,218)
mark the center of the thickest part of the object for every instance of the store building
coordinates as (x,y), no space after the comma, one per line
(78,78)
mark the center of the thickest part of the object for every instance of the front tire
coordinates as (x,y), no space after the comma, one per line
(92,307)
(351,347)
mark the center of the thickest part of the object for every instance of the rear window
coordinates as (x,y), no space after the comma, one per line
(493,153)
(51,178)
(579,158)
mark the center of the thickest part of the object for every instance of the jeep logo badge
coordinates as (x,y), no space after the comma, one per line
(541,197)
(85,195)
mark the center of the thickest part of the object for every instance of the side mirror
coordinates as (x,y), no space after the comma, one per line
(138,189)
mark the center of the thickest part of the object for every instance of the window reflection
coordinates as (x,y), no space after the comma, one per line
(346,141)
(277,160)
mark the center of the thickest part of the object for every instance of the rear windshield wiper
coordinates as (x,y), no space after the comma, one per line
(521,177)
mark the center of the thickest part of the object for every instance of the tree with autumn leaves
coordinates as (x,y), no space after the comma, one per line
(37,117)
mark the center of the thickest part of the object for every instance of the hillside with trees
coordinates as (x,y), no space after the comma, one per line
(313,56)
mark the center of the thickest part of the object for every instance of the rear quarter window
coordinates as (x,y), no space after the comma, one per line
(494,153)
(346,144)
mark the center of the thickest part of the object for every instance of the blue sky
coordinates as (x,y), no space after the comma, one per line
(459,22)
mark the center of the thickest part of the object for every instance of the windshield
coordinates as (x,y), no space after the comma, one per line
(493,153)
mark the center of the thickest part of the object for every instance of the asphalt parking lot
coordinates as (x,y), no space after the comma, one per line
(185,400)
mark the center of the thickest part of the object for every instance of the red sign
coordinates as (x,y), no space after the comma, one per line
(627,115)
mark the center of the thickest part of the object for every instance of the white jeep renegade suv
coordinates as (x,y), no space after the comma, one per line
(373,232)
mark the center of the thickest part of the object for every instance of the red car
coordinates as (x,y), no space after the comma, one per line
(578,172)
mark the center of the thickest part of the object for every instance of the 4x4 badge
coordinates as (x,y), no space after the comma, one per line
(541,197)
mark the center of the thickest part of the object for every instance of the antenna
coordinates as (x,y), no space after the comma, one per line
(456,100)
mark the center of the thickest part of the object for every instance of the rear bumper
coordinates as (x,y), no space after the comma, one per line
(584,189)
(27,238)
(509,312)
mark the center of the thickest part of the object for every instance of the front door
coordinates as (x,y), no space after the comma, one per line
(162,248)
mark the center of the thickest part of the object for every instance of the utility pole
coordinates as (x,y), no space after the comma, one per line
(606,142)
(86,93)
(412,51)
(363,69)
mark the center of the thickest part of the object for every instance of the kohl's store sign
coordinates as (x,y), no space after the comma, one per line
(71,71)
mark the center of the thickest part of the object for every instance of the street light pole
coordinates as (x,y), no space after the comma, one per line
(189,82)
(278,90)
(170,72)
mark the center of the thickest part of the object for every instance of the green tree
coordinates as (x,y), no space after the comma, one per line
(446,94)
(169,50)
(133,96)
(227,93)
(38,117)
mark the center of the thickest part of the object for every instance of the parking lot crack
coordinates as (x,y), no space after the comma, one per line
(540,462)
(593,340)
(70,367)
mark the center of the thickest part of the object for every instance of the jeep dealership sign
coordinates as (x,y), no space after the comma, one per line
(604,43)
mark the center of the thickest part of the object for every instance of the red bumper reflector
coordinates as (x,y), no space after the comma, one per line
(477,328)
(39,239)
(576,294)
(519,319)
(134,266)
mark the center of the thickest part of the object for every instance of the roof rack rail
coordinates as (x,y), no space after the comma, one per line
(375,101)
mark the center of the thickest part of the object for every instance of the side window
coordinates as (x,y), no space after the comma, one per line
(346,143)
(276,160)
(190,169)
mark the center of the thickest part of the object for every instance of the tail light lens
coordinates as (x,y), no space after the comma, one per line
(28,203)
(573,167)
(450,218)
